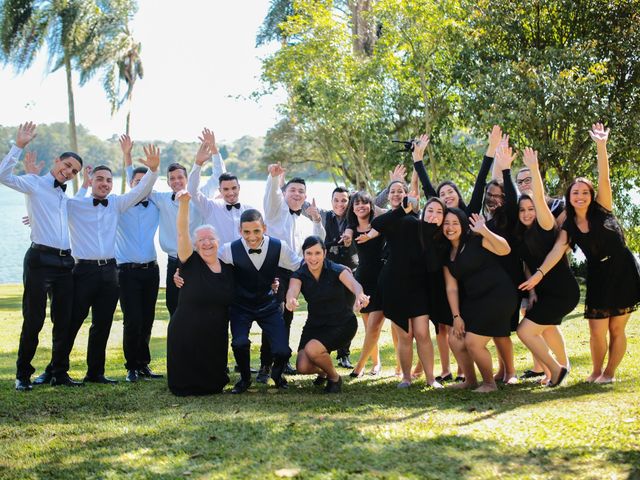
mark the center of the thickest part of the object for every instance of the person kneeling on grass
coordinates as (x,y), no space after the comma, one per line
(329,289)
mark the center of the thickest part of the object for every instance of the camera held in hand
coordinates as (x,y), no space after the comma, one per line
(407,146)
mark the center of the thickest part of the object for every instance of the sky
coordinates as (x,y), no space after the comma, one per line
(200,66)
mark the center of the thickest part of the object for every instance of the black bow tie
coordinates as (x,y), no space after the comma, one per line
(173,197)
(232,205)
(295,212)
(144,203)
(56,184)
(255,250)
(104,202)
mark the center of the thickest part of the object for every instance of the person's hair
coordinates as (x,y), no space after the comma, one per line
(500,218)
(360,197)
(206,226)
(311,241)
(404,185)
(437,235)
(295,180)
(101,167)
(176,166)
(461,203)
(523,169)
(138,170)
(251,215)
(530,236)
(339,190)
(464,223)
(227,177)
(71,155)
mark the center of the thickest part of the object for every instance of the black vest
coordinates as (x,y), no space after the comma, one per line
(253,287)
(336,252)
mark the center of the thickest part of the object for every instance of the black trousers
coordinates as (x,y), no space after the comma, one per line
(172,291)
(96,288)
(138,295)
(44,274)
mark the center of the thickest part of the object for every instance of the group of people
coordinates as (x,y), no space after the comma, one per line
(473,270)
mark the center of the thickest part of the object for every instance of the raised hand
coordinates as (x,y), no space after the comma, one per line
(346,238)
(203,154)
(361,302)
(183,196)
(30,165)
(477,223)
(313,211)
(26,133)
(275,170)
(419,146)
(530,158)
(495,137)
(504,155)
(209,138)
(598,134)
(398,174)
(153,157)
(86,176)
(126,144)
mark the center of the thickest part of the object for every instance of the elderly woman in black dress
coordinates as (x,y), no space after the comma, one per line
(197,338)
(332,296)
(613,273)
(558,293)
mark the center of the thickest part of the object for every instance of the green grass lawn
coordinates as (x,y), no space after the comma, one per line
(372,430)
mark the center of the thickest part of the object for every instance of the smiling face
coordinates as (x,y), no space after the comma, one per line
(452,228)
(295,194)
(230,190)
(206,244)
(434,213)
(397,192)
(314,257)
(580,196)
(449,196)
(339,203)
(65,168)
(177,180)
(523,182)
(494,198)
(526,212)
(362,209)
(253,233)
(101,183)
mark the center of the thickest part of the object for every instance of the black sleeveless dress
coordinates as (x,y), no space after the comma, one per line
(197,337)
(558,292)
(613,273)
(369,268)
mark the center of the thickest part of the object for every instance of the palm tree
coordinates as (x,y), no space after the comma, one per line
(75,31)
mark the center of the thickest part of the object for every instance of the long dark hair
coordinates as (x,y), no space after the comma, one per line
(531,236)
(461,204)
(437,235)
(360,197)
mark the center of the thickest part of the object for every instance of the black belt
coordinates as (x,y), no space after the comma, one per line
(100,263)
(56,251)
(136,266)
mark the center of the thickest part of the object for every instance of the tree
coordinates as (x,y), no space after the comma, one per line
(75,32)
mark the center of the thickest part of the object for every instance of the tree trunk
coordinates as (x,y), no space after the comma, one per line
(73,135)
(127,130)
(364,36)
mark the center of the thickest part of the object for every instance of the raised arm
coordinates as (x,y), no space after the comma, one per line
(193,183)
(318,225)
(217,163)
(185,247)
(504,158)
(544,217)
(604,196)
(349,281)
(126,145)
(495,137)
(143,189)
(30,165)
(492,242)
(21,183)
(273,199)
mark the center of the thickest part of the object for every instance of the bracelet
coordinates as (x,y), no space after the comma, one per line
(456,316)
(539,270)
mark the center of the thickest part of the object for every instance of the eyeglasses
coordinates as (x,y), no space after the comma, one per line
(498,195)
(524,181)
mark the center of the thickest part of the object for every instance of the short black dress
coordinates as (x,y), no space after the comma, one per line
(330,318)
(369,268)
(489,295)
(613,274)
(404,275)
(197,337)
(558,292)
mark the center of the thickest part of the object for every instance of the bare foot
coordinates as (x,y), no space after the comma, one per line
(376,370)
(512,380)
(593,377)
(544,381)
(486,388)
(499,376)
(604,380)
(463,385)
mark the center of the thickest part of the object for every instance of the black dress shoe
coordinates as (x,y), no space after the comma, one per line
(531,374)
(132,376)
(333,387)
(345,362)
(289,370)
(263,374)
(319,380)
(23,385)
(447,378)
(561,377)
(281,383)
(241,387)
(251,369)
(43,379)
(100,379)
(147,373)
(64,380)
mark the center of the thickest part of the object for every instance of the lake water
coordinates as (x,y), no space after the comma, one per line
(16,241)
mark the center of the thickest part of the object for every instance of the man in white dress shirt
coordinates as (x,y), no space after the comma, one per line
(48,262)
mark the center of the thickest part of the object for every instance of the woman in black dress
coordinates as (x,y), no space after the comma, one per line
(332,295)
(558,293)
(484,311)
(197,338)
(359,216)
(613,273)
